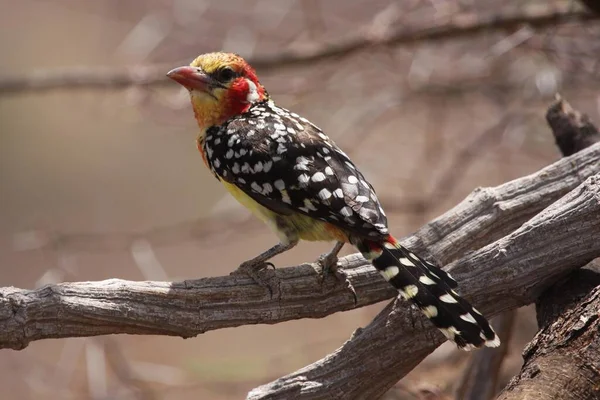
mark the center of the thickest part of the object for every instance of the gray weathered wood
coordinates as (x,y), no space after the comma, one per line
(562,361)
(192,307)
(558,363)
(509,273)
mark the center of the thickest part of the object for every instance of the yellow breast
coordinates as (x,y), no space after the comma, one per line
(305,227)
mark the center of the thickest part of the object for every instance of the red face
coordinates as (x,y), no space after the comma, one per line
(221,86)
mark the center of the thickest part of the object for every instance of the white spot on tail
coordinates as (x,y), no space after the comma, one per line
(468,317)
(450,332)
(406,262)
(430,311)
(426,280)
(494,342)
(389,272)
(410,291)
(447,298)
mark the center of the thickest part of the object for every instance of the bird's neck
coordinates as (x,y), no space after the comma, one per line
(211,113)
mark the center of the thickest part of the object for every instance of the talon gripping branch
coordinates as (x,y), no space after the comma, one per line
(294,178)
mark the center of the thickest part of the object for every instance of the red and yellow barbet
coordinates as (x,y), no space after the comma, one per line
(294,178)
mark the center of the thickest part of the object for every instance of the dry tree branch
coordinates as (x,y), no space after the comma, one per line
(454,26)
(561,362)
(192,307)
(504,275)
(394,354)
(573,132)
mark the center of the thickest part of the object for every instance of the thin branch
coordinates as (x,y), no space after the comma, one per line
(572,130)
(192,307)
(454,26)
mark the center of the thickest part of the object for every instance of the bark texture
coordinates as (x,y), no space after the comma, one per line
(189,308)
(563,360)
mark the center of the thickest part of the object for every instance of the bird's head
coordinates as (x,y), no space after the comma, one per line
(221,86)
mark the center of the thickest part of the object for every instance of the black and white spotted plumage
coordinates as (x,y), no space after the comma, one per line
(289,166)
(430,288)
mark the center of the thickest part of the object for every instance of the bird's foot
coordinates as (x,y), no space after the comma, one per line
(258,272)
(329,265)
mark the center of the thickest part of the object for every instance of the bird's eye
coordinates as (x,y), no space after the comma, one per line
(225,74)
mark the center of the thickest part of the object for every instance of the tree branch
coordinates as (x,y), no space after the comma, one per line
(192,307)
(561,362)
(573,132)
(453,27)
(504,275)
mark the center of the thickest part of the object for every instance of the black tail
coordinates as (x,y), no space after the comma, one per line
(430,288)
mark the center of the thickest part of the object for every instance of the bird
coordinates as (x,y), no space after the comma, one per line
(294,178)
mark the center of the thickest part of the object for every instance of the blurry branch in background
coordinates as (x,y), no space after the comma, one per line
(462,160)
(122,369)
(561,361)
(214,226)
(370,37)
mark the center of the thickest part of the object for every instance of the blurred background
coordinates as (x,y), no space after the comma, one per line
(100,177)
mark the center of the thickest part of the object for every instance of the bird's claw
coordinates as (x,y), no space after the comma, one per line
(328,264)
(256,272)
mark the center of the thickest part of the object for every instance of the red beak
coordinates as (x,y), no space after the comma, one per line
(191,78)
